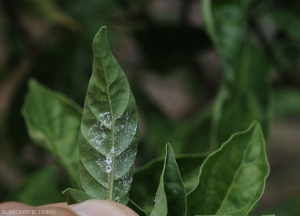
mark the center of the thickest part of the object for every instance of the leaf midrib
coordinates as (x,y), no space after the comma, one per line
(111,177)
(235,175)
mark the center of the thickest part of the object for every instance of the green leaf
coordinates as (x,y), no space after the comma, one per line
(136,208)
(225,21)
(53,123)
(246,98)
(232,179)
(146,179)
(109,134)
(75,196)
(245,93)
(171,195)
(39,188)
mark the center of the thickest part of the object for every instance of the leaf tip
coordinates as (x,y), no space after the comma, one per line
(103,28)
(255,125)
(101,34)
(32,82)
(169,148)
(100,41)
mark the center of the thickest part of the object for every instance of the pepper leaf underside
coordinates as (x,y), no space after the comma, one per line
(108,135)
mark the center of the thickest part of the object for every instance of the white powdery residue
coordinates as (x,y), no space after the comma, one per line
(126,182)
(98,162)
(116,193)
(127,115)
(97,141)
(106,119)
(101,115)
(108,160)
(112,150)
(96,135)
(94,128)
(117,199)
(108,169)
(90,130)
(107,123)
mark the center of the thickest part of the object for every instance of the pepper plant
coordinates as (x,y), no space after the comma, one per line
(229,181)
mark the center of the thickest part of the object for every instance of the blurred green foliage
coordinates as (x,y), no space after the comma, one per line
(225,57)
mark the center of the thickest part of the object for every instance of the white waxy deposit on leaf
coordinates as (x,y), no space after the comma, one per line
(108,161)
(108,169)
(106,119)
(109,128)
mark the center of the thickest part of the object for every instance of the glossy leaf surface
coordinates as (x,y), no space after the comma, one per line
(171,195)
(232,179)
(53,122)
(146,179)
(109,133)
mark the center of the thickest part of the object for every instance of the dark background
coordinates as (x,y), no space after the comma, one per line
(174,71)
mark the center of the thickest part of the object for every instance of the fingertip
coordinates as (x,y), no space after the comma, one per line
(102,208)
